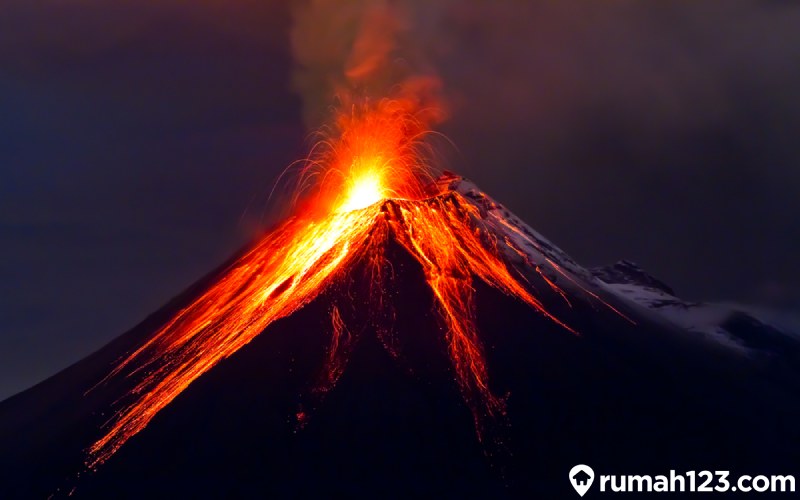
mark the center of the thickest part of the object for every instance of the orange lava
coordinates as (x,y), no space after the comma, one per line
(336,359)
(366,184)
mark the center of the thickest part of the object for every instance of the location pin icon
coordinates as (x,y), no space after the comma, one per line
(581,476)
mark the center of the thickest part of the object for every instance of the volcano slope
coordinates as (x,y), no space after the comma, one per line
(371,403)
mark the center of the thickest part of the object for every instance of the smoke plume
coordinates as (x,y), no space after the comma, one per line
(361,50)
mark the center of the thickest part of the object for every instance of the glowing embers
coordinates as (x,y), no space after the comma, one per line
(374,152)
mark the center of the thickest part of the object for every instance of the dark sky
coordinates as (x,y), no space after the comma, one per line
(139,141)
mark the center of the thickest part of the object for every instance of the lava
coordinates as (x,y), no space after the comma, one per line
(366,183)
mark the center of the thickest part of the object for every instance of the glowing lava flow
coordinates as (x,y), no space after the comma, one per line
(368,185)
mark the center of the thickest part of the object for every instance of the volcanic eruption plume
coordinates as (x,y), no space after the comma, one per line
(368,181)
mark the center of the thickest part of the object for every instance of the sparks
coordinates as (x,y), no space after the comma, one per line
(371,183)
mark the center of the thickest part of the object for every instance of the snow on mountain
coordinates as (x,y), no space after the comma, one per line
(539,250)
(745,329)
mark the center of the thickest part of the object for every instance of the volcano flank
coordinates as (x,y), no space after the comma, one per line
(404,371)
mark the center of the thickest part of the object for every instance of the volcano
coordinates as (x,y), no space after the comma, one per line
(401,333)
(489,365)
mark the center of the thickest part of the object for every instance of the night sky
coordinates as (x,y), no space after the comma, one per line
(139,141)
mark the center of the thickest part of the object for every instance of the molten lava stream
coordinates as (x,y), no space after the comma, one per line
(281,274)
(443,234)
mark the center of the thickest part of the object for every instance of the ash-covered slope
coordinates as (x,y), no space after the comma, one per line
(630,393)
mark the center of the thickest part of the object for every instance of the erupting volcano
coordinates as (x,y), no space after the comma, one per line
(365,186)
(402,334)
(337,352)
